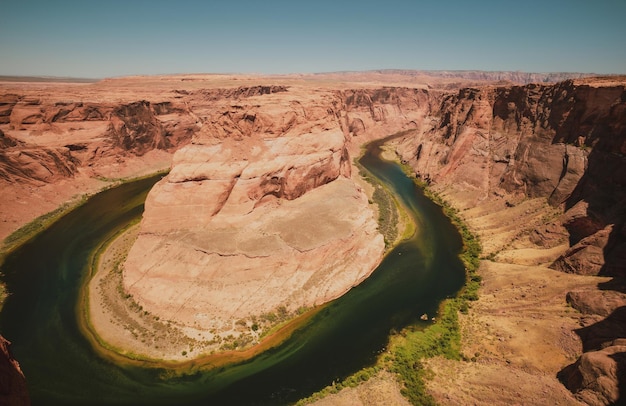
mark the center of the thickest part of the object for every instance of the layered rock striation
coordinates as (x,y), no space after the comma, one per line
(564,144)
(258,213)
(261,215)
(44,141)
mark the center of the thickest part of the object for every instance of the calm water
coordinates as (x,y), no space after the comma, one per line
(61,367)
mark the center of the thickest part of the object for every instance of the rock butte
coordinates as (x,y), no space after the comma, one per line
(263,209)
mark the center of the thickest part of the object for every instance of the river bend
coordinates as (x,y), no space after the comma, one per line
(46,274)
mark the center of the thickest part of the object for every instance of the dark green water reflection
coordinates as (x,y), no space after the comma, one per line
(45,275)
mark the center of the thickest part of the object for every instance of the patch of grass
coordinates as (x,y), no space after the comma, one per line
(410,347)
(3,294)
(442,338)
(270,322)
(387,215)
(350,382)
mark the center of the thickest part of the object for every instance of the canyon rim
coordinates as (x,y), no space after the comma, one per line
(262,183)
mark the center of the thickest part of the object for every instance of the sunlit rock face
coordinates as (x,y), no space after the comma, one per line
(258,212)
(563,142)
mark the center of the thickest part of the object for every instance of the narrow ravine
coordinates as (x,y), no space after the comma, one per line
(45,277)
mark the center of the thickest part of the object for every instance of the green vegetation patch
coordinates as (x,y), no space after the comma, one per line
(388,206)
(443,338)
(387,214)
(352,381)
(410,347)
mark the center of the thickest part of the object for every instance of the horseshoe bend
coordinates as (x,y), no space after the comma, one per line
(227,248)
(264,213)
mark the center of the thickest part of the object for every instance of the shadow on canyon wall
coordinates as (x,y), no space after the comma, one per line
(598,245)
(598,377)
(564,142)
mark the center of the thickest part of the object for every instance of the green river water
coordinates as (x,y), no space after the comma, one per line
(44,277)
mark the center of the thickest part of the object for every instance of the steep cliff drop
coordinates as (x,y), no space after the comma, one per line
(530,149)
(13,391)
(257,221)
(262,175)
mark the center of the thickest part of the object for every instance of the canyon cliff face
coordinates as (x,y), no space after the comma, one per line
(46,141)
(368,114)
(564,143)
(261,212)
(258,213)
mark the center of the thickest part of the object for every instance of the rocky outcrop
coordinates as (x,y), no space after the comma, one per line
(257,214)
(556,142)
(565,143)
(598,376)
(7,101)
(7,141)
(135,127)
(260,208)
(112,131)
(13,390)
(19,163)
(240,92)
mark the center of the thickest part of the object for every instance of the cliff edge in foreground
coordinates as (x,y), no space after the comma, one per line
(13,389)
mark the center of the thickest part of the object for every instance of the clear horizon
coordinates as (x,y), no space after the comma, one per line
(97,40)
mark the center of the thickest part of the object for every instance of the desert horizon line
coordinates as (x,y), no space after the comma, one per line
(43,77)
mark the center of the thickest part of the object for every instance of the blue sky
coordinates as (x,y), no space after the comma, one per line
(114,38)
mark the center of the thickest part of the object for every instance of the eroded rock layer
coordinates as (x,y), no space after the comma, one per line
(260,214)
(564,144)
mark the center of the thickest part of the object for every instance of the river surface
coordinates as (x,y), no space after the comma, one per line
(40,317)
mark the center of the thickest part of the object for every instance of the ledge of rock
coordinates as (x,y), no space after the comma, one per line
(239,229)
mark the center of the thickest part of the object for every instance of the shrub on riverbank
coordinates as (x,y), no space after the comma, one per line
(387,215)
(411,346)
(442,338)
(408,348)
